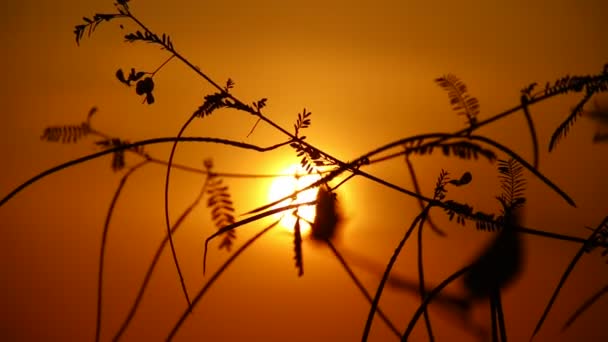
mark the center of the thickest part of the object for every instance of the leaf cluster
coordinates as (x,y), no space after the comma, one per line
(440,191)
(118,157)
(223,99)
(222,210)
(91,24)
(303,121)
(562,130)
(66,133)
(149,37)
(462,103)
(589,83)
(512,197)
(69,133)
(311,158)
(512,184)
(461,149)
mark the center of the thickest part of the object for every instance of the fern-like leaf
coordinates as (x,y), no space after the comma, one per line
(297,247)
(461,149)
(486,222)
(118,157)
(216,101)
(212,103)
(564,127)
(311,158)
(303,121)
(459,210)
(91,24)
(442,181)
(512,184)
(67,133)
(149,37)
(222,210)
(462,103)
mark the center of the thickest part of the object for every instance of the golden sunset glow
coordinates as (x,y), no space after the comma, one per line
(79,240)
(283,186)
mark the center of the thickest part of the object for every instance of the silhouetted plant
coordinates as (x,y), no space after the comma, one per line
(488,274)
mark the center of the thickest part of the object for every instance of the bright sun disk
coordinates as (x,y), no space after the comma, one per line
(284,186)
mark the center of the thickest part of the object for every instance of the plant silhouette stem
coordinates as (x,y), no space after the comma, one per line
(429,297)
(387,272)
(361,288)
(586,305)
(215,276)
(410,168)
(422,287)
(441,137)
(104,236)
(248,220)
(329,176)
(566,274)
(155,260)
(167,219)
(133,145)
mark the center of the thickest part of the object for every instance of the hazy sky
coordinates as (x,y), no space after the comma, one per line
(366,71)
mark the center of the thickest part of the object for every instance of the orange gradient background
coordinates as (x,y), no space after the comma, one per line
(366,71)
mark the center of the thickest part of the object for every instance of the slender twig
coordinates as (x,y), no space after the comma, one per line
(349,166)
(428,219)
(421,285)
(430,296)
(441,137)
(248,220)
(102,250)
(501,316)
(156,258)
(586,305)
(493,320)
(361,288)
(123,147)
(530,122)
(215,276)
(387,272)
(562,281)
(167,219)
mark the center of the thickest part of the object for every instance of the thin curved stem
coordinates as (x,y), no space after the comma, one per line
(215,276)
(430,296)
(361,288)
(428,219)
(155,259)
(586,305)
(441,137)
(387,272)
(565,275)
(248,220)
(167,219)
(102,250)
(123,147)
(421,285)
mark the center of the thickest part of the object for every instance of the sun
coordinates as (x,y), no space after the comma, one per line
(284,186)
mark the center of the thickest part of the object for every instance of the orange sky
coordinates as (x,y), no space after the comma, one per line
(366,72)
